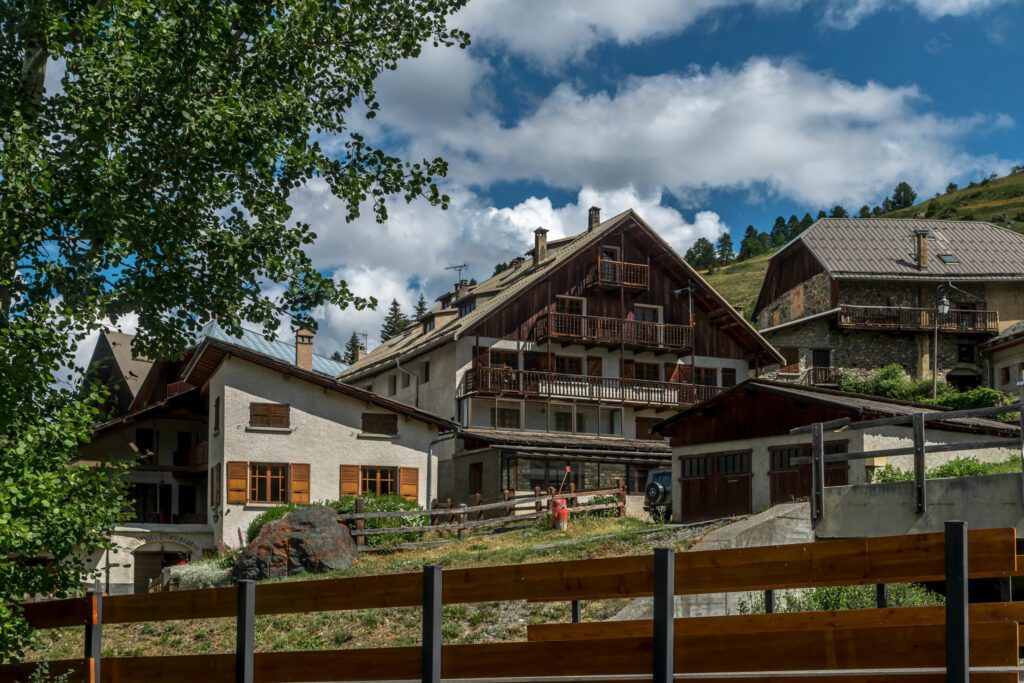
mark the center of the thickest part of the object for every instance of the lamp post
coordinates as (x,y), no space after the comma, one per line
(941,308)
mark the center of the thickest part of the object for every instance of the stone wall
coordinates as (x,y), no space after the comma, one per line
(813,295)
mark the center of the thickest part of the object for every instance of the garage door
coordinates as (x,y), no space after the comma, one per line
(793,482)
(148,566)
(715,485)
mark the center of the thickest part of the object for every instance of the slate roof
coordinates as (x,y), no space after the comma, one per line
(279,348)
(133,369)
(884,248)
(505,286)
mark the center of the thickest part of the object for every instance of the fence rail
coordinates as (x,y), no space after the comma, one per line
(603,330)
(920,319)
(826,647)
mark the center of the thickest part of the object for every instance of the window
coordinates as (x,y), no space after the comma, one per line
(476,478)
(216,415)
(728,377)
(568,365)
(821,358)
(1004,375)
(505,418)
(782,456)
(503,359)
(965,352)
(378,480)
(949,258)
(144,497)
(646,314)
(425,372)
(428,326)
(392,385)
(145,443)
(380,423)
(570,305)
(215,485)
(696,468)
(405,380)
(466,307)
(268,483)
(268,415)
(707,377)
(648,371)
(734,463)
(563,421)
(610,253)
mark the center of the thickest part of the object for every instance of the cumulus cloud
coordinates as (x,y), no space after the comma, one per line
(845,14)
(801,133)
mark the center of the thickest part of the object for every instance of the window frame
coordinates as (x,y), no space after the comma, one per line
(643,375)
(283,481)
(565,298)
(367,426)
(562,360)
(378,479)
(272,422)
(658,313)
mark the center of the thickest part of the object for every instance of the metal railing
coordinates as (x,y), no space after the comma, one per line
(921,319)
(484,380)
(613,331)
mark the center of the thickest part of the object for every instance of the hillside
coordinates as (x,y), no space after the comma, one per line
(999,201)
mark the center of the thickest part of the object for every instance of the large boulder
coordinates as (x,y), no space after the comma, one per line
(310,539)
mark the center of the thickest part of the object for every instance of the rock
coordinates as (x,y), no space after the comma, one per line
(310,539)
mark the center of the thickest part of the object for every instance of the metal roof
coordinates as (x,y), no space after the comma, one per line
(279,349)
(884,248)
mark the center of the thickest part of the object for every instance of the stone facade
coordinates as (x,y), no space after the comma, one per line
(810,297)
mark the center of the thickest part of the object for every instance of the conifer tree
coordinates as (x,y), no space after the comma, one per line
(778,233)
(352,349)
(750,245)
(724,249)
(394,323)
(421,307)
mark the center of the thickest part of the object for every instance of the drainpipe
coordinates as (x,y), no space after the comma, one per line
(415,377)
(430,464)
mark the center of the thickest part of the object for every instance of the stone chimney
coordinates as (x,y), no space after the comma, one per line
(593,218)
(921,236)
(304,349)
(361,353)
(540,245)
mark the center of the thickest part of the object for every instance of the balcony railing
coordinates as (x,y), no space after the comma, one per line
(619,273)
(525,383)
(917,319)
(599,330)
(818,376)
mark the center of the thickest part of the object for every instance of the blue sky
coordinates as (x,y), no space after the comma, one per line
(703,115)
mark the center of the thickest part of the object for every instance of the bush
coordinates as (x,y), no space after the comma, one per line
(966,466)
(271,515)
(207,573)
(600,500)
(891,381)
(347,506)
(843,597)
(889,474)
(979,397)
(960,467)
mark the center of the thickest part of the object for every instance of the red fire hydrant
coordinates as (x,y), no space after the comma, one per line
(560,514)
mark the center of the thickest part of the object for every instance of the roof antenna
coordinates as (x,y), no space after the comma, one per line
(365,335)
(461,267)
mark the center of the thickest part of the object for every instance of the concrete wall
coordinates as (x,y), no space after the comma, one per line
(898,436)
(325,432)
(889,509)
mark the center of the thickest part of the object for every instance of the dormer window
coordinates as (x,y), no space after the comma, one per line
(428,325)
(466,307)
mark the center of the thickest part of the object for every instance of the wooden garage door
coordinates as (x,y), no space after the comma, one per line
(791,482)
(148,566)
(716,485)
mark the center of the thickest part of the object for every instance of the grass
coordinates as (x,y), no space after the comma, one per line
(740,282)
(475,623)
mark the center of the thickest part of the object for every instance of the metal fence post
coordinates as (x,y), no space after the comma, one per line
(881,596)
(817,471)
(576,618)
(769,602)
(664,614)
(919,464)
(430,657)
(957,624)
(94,633)
(245,631)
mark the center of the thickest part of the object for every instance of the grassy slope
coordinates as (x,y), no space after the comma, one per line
(393,627)
(999,201)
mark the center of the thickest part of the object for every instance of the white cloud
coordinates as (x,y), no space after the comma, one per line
(846,14)
(801,133)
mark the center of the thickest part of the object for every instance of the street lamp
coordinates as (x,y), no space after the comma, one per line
(942,307)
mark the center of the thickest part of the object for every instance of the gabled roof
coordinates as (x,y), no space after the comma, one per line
(499,290)
(1011,336)
(133,369)
(884,248)
(213,351)
(847,402)
(278,348)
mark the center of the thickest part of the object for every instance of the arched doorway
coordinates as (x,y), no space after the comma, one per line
(149,560)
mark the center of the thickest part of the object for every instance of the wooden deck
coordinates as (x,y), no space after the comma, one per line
(634,334)
(903,318)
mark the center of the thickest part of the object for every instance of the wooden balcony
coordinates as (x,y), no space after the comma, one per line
(588,329)
(820,376)
(528,383)
(619,274)
(904,318)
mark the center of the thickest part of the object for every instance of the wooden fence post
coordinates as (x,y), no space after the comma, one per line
(572,498)
(919,464)
(360,523)
(478,500)
(505,495)
(957,623)
(94,634)
(434,516)
(622,497)
(664,615)
(245,622)
(451,514)
(463,518)
(537,505)
(430,657)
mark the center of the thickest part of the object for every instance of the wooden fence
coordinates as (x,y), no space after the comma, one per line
(460,519)
(904,645)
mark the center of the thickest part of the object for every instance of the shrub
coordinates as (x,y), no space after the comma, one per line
(206,573)
(891,381)
(979,397)
(889,474)
(965,466)
(271,515)
(843,597)
(600,500)
(347,506)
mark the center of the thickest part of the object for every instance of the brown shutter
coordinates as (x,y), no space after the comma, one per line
(349,480)
(380,423)
(628,369)
(409,482)
(594,368)
(279,415)
(238,483)
(259,414)
(298,484)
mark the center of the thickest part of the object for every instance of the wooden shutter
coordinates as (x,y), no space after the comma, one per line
(380,423)
(628,369)
(409,482)
(259,414)
(594,367)
(298,483)
(279,415)
(238,483)
(349,480)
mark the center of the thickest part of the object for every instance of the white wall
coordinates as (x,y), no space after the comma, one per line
(897,437)
(325,432)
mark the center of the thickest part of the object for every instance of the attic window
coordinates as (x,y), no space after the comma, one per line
(949,258)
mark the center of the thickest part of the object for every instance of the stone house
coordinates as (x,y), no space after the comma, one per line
(240,425)
(1003,355)
(567,358)
(855,294)
(732,454)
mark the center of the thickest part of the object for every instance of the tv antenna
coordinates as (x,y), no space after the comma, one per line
(365,336)
(461,267)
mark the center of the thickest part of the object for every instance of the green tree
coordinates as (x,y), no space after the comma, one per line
(839,212)
(778,232)
(952,187)
(865,211)
(806,221)
(352,349)
(421,308)
(395,321)
(156,182)
(903,196)
(792,227)
(751,244)
(822,214)
(724,249)
(701,254)
(501,267)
